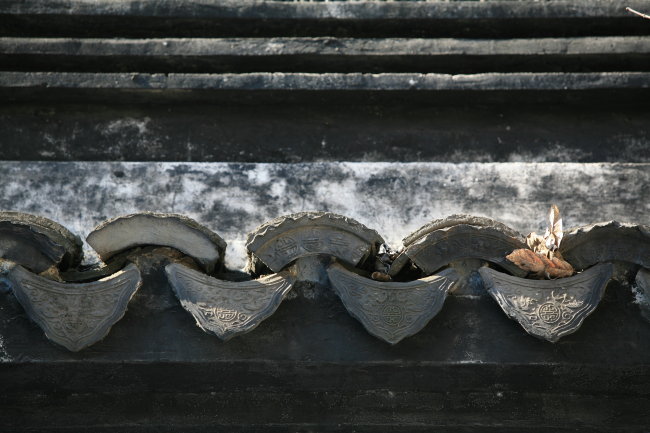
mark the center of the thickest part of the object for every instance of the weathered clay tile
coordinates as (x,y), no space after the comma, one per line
(548,309)
(605,242)
(170,230)
(37,243)
(279,242)
(74,315)
(388,310)
(226,308)
(460,237)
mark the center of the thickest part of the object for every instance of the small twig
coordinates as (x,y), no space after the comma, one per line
(647,17)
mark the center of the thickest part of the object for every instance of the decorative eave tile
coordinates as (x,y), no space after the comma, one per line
(226,308)
(391,311)
(549,309)
(75,315)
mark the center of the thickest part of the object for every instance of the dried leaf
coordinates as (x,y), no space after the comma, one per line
(527,260)
(380,276)
(534,241)
(554,234)
(558,268)
(543,260)
(539,265)
(556,271)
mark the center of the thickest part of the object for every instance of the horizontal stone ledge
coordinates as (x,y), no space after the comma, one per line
(328,81)
(269,47)
(393,198)
(338,10)
(325,55)
(327,126)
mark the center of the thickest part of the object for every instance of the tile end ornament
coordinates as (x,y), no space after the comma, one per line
(391,311)
(225,308)
(548,309)
(75,315)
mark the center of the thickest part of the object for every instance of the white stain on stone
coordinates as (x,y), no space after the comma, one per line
(260,175)
(556,152)
(4,356)
(392,198)
(639,296)
(118,126)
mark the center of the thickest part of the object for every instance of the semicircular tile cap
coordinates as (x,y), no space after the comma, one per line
(75,315)
(279,242)
(37,243)
(225,308)
(148,228)
(457,219)
(462,237)
(391,311)
(605,242)
(548,309)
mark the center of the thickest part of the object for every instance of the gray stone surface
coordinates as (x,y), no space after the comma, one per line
(75,315)
(325,54)
(224,308)
(549,309)
(125,232)
(391,311)
(393,198)
(340,46)
(343,47)
(409,127)
(340,10)
(332,81)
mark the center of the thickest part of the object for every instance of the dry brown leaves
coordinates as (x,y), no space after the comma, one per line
(380,276)
(539,265)
(543,260)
